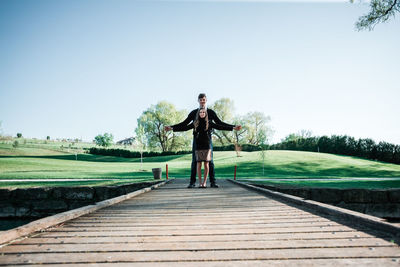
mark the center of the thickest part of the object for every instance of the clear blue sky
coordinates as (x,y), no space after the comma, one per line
(75,69)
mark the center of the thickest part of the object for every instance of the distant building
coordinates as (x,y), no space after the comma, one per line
(127,141)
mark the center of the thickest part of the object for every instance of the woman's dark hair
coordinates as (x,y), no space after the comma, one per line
(201,95)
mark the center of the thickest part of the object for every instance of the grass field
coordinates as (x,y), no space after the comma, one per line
(28,162)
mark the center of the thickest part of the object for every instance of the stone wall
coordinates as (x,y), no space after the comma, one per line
(380,203)
(45,201)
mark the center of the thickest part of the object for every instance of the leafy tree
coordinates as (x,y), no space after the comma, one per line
(19,135)
(385,151)
(380,11)
(290,137)
(240,137)
(258,131)
(224,108)
(302,134)
(48,138)
(366,148)
(104,140)
(255,129)
(151,127)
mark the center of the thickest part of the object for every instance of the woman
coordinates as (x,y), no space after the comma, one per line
(202,135)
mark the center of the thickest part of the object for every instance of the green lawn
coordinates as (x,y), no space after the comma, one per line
(29,163)
(378,183)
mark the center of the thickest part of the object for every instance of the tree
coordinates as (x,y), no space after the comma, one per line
(48,138)
(151,127)
(240,136)
(224,108)
(302,134)
(104,140)
(380,11)
(258,131)
(19,135)
(255,129)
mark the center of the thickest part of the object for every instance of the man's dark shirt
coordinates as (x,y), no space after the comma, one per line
(212,116)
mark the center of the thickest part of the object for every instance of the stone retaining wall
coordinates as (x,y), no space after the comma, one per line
(45,201)
(380,203)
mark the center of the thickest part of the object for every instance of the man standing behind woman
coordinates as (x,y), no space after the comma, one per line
(202,133)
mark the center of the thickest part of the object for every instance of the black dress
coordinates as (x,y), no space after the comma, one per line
(202,137)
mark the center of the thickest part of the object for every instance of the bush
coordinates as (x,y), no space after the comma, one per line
(344,145)
(132,154)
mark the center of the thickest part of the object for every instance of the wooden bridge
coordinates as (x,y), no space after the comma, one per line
(228,226)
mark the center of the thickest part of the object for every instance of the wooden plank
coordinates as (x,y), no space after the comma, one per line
(193,238)
(117,232)
(207,224)
(193,226)
(160,213)
(372,262)
(216,245)
(188,256)
(222,216)
(83,223)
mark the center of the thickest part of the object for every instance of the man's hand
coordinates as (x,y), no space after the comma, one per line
(237,127)
(167,128)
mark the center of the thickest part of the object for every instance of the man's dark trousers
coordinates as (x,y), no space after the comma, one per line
(193,172)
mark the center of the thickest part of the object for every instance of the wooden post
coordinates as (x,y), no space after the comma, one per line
(235,173)
(167,171)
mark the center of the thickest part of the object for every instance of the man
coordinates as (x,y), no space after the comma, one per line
(212,116)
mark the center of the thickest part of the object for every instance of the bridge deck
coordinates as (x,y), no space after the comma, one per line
(176,226)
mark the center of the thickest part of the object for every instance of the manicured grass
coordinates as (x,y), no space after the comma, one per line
(40,163)
(29,163)
(334,183)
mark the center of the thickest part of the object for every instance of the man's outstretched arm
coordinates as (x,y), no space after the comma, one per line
(218,121)
(184,123)
(182,128)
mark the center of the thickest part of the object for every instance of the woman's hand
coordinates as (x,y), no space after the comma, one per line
(237,127)
(167,128)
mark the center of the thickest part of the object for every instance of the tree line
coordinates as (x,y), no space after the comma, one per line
(343,145)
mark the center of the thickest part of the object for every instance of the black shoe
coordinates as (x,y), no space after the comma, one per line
(214,185)
(191,186)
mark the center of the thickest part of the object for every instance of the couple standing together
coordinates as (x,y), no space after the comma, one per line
(202,120)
